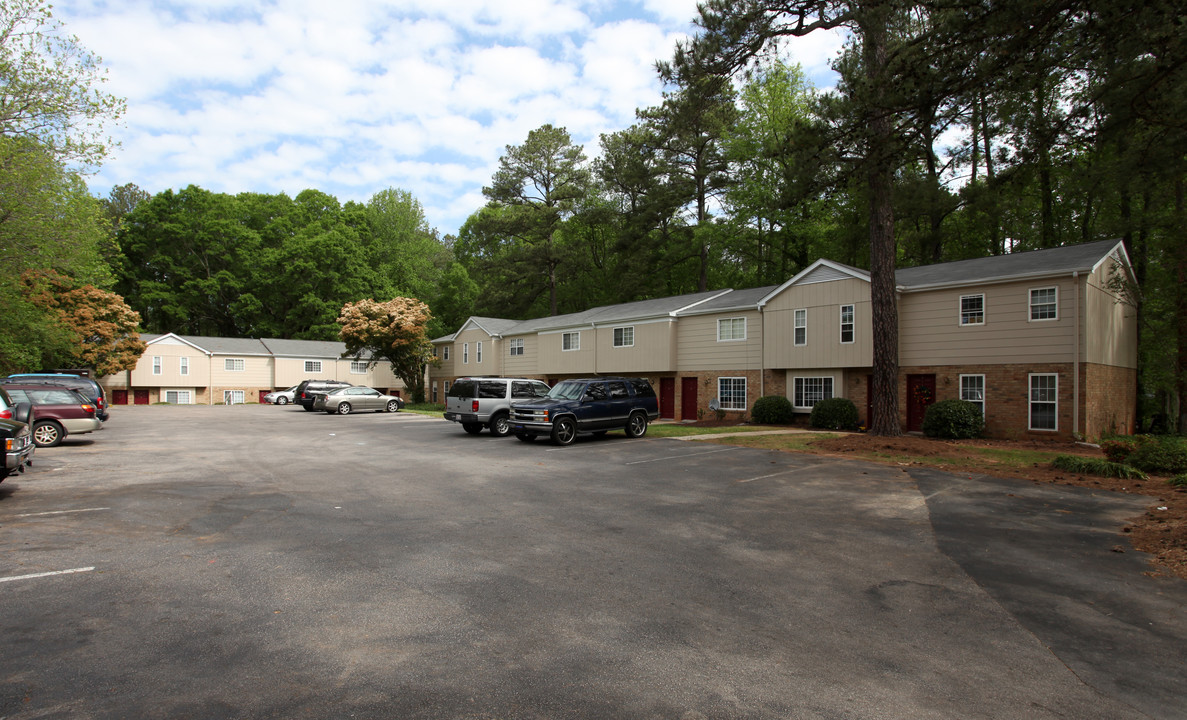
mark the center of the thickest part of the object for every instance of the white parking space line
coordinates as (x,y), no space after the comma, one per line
(790,471)
(678,457)
(47,574)
(60,512)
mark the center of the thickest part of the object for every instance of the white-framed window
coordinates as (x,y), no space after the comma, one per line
(234,364)
(972,309)
(156,364)
(729,329)
(847,316)
(570,341)
(1044,401)
(731,393)
(972,389)
(178,397)
(465,353)
(445,387)
(800,327)
(233,397)
(434,392)
(445,352)
(183,365)
(358,367)
(1044,303)
(313,366)
(624,337)
(515,346)
(807,391)
(478,352)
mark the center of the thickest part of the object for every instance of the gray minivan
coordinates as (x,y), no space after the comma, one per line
(478,402)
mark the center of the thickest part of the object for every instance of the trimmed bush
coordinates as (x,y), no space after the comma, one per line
(1163,455)
(834,414)
(953,420)
(1096,466)
(772,410)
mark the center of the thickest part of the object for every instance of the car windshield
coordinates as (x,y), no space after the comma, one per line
(567,390)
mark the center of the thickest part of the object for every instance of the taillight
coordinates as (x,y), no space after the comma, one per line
(6,414)
(474,406)
(87,407)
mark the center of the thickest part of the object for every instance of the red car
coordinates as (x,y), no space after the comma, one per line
(58,412)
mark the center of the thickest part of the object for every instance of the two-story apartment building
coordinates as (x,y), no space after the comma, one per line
(1041,341)
(203,370)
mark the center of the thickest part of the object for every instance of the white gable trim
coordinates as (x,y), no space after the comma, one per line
(820,271)
(172,339)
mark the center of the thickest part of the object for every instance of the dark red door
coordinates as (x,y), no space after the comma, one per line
(869,399)
(921,392)
(688,398)
(141,397)
(667,397)
(119,397)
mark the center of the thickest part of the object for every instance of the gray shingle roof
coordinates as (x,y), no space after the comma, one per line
(639,310)
(305,348)
(733,300)
(1036,263)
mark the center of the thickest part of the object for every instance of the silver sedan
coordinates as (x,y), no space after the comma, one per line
(343,401)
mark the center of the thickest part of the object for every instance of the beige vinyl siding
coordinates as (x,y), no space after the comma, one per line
(930,332)
(1111,327)
(555,361)
(697,347)
(256,373)
(492,361)
(651,352)
(445,370)
(170,351)
(823,348)
(521,365)
(289,370)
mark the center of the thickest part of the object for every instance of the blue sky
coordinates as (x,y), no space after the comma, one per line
(351,97)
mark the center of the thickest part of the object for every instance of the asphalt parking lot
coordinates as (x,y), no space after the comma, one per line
(264,562)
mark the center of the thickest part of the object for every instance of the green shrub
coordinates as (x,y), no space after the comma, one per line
(1096,466)
(1119,450)
(953,419)
(772,410)
(1179,480)
(834,414)
(1163,455)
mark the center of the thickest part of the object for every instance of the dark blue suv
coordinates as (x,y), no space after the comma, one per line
(587,405)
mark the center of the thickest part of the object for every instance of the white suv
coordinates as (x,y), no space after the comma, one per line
(486,402)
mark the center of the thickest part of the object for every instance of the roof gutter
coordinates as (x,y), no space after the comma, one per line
(988,281)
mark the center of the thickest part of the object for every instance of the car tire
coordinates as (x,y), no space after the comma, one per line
(47,433)
(393,406)
(636,425)
(344,408)
(525,437)
(564,431)
(282,400)
(306,408)
(500,425)
(472,428)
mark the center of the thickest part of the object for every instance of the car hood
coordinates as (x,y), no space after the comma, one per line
(544,404)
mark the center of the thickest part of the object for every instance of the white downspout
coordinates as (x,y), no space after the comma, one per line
(1076,361)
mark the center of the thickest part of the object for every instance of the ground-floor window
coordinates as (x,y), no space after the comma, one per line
(972,389)
(434,392)
(807,391)
(178,397)
(1044,401)
(732,393)
(233,397)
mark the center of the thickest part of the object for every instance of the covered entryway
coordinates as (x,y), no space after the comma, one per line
(921,392)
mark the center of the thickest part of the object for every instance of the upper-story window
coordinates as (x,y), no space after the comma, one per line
(444,352)
(624,337)
(516,346)
(846,324)
(478,352)
(358,367)
(156,365)
(183,365)
(972,309)
(234,364)
(1044,303)
(465,353)
(571,341)
(312,366)
(731,329)
(801,327)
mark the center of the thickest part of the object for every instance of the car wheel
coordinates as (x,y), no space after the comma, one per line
(524,437)
(47,433)
(393,406)
(306,408)
(282,400)
(500,425)
(344,408)
(564,431)
(472,428)
(636,425)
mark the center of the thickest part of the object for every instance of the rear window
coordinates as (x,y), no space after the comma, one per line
(521,389)
(642,387)
(463,389)
(492,390)
(618,390)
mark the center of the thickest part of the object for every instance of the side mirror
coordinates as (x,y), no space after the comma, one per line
(23,412)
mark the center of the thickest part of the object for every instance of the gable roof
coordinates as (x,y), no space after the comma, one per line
(495,327)
(820,271)
(1064,260)
(304,348)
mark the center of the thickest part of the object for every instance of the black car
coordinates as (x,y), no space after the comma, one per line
(16,436)
(306,389)
(89,388)
(588,405)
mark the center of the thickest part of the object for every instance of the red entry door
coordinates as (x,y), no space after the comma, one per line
(688,398)
(140,397)
(119,397)
(921,392)
(667,397)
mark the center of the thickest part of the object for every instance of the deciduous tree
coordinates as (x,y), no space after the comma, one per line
(396,331)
